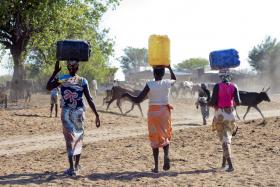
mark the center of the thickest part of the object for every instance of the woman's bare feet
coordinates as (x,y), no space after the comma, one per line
(155,170)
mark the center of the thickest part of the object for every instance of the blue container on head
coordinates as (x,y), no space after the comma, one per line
(224,59)
(72,50)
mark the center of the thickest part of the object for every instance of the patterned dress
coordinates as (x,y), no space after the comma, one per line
(224,96)
(73,112)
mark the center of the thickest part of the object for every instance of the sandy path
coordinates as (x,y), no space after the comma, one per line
(24,144)
(33,149)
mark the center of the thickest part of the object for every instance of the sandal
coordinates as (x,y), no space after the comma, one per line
(70,172)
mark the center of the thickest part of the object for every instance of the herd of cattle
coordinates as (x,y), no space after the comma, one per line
(181,89)
(19,89)
(249,99)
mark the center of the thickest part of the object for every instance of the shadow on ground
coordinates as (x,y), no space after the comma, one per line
(187,124)
(131,175)
(29,178)
(47,177)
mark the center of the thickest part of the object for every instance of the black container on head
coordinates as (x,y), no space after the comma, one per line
(72,50)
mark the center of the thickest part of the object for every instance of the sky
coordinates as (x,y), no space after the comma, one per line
(194,27)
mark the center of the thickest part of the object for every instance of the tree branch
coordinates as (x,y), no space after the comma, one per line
(6,43)
(5,34)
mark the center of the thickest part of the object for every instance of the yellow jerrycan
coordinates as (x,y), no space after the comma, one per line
(159,50)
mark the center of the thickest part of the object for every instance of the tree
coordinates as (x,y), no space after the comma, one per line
(133,58)
(259,56)
(19,21)
(192,63)
(85,27)
(265,59)
(33,27)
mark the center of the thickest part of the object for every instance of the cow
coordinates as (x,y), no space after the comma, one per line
(20,89)
(252,99)
(181,87)
(195,88)
(187,87)
(3,95)
(174,91)
(116,94)
(3,98)
(108,96)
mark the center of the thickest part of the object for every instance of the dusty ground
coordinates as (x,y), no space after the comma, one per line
(33,153)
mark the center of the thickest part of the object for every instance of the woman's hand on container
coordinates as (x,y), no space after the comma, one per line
(57,68)
(97,121)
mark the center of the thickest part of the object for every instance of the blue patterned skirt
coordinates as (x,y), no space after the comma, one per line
(73,129)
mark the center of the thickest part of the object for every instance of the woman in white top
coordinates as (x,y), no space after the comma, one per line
(159,116)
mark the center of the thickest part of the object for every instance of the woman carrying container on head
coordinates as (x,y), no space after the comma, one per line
(159,116)
(225,95)
(73,114)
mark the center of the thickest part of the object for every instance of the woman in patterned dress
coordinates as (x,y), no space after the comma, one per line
(72,89)
(159,115)
(225,95)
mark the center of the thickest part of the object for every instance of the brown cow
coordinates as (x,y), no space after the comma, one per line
(3,95)
(4,99)
(107,96)
(116,94)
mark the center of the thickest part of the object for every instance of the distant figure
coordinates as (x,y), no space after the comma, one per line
(115,83)
(94,87)
(202,102)
(159,114)
(225,95)
(54,100)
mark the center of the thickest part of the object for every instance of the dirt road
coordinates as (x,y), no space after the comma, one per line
(22,144)
(32,150)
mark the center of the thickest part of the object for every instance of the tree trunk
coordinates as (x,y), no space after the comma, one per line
(17,91)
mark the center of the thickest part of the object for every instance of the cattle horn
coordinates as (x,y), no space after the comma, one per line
(262,90)
(267,89)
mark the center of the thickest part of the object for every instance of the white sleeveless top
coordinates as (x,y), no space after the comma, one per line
(159,91)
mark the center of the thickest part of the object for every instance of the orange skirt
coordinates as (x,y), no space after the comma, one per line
(159,125)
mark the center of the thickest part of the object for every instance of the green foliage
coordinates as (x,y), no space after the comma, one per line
(265,59)
(37,25)
(192,63)
(133,58)
(260,56)
(5,78)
